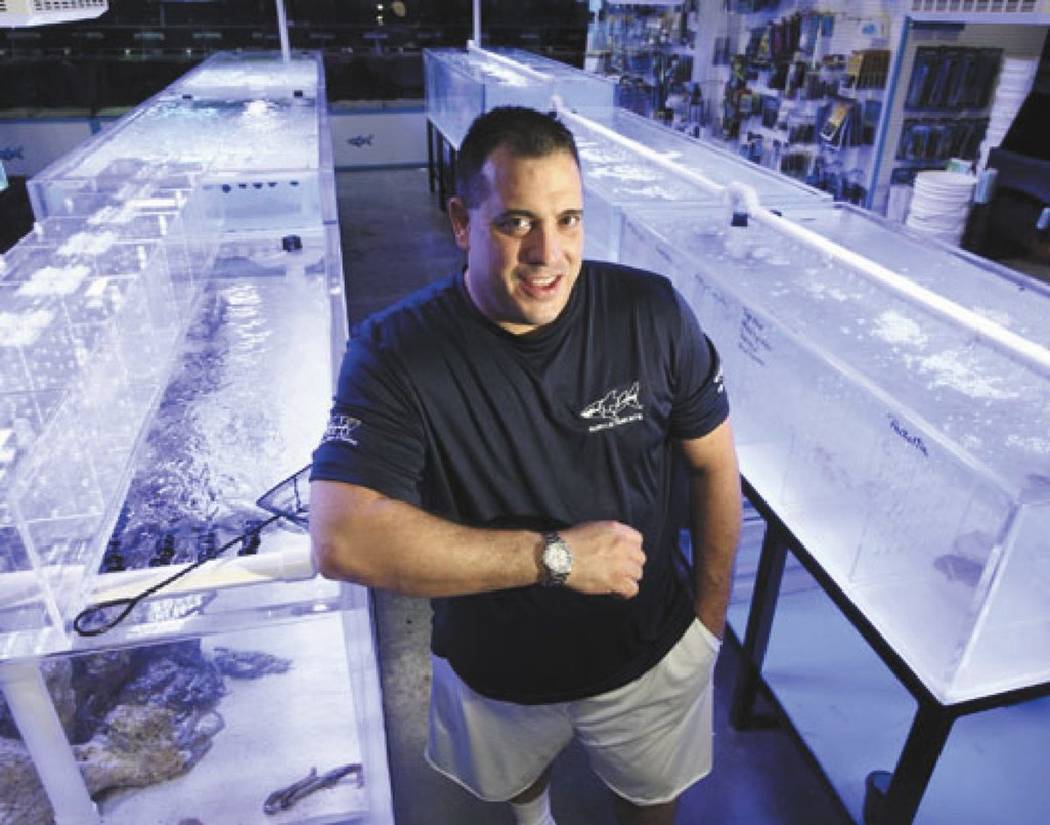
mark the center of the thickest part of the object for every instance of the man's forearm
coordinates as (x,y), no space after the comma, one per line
(363,536)
(715,499)
(387,543)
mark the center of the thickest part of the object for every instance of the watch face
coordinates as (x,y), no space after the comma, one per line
(558,558)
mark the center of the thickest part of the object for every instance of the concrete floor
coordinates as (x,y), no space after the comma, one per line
(395,240)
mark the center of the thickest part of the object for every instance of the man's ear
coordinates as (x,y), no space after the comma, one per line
(460,220)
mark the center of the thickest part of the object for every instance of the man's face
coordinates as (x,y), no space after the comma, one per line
(524,241)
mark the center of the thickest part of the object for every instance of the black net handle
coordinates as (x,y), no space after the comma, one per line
(84,627)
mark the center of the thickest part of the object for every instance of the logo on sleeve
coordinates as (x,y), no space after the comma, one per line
(340,428)
(719,382)
(616,407)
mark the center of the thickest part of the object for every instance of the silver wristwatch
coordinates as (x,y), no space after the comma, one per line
(556,560)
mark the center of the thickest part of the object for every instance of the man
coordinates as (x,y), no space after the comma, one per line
(502,442)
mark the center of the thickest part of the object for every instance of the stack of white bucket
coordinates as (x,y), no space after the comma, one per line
(1015,82)
(940,205)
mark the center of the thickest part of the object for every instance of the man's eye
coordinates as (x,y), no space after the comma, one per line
(571,221)
(516,226)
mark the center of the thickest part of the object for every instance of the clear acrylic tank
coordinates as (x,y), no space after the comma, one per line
(247,396)
(89,325)
(712,162)
(460,85)
(617,175)
(167,352)
(581,91)
(261,159)
(909,453)
(251,75)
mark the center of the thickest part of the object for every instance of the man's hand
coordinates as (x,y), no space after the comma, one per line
(607,558)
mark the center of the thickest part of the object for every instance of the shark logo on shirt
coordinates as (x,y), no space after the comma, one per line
(340,428)
(616,407)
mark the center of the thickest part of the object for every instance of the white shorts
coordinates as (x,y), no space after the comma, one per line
(648,740)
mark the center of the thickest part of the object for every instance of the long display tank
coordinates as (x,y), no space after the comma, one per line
(240,75)
(580,90)
(141,423)
(460,85)
(906,450)
(260,155)
(630,169)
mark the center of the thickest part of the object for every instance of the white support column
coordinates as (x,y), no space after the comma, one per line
(34,714)
(477,23)
(282,31)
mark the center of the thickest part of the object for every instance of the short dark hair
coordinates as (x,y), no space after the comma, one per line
(526,133)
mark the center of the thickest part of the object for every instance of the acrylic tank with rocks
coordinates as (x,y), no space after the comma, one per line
(460,86)
(907,451)
(158,601)
(246,400)
(90,323)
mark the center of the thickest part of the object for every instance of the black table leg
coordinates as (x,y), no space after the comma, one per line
(430,156)
(893,799)
(441,171)
(759,624)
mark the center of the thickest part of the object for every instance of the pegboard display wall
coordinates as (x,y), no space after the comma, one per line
(942,103)
(819,90)
(799,86)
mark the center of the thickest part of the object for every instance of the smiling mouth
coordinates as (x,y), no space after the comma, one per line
(540,287)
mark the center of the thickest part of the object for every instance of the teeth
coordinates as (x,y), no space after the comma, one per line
(541,282)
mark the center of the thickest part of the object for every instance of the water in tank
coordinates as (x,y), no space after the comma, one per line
(905,449)
(461,85)
(581,91)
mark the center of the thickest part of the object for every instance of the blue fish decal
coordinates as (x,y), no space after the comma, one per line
(12,153)
(360,140)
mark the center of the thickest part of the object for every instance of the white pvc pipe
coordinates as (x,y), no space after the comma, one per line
(290,564)
(509,62)
(34,714)
(1035,354)
(22,587)
(282,31)
(640,148)
(477,23)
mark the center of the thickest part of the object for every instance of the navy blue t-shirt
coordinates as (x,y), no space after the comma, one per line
(440,407)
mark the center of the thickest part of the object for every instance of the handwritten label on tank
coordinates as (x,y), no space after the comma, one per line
(753,342)
(915,440)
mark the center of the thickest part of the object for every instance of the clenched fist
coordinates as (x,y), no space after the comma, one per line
(607,558)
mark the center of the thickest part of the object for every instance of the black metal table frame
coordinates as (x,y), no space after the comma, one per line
(890,799)
(438,171)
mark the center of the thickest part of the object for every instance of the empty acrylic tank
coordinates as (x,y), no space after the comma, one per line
(461,85)
(908,453)
(581,91)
